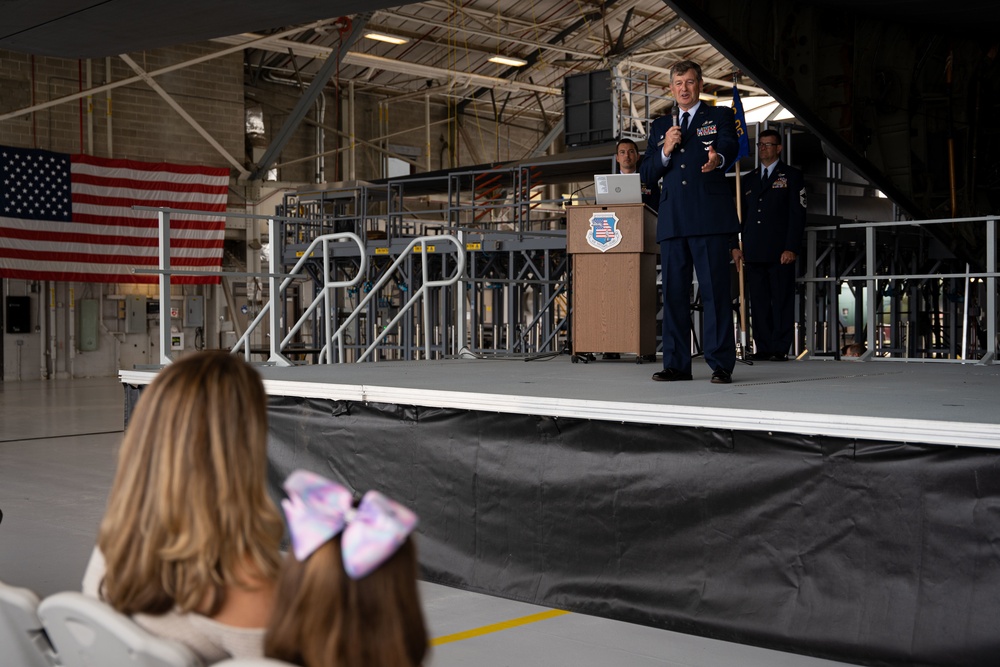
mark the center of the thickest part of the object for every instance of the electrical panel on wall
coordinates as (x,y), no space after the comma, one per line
(18,314)
(194,311)
(89,319)
(135,314)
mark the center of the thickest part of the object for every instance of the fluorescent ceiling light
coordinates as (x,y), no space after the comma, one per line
(505,60)
(389,39)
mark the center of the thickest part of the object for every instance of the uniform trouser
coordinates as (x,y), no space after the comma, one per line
(709,257)
(771,288)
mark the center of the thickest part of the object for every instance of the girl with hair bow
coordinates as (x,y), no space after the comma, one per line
(348,597)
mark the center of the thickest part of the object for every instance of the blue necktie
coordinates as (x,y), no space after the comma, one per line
(684,121)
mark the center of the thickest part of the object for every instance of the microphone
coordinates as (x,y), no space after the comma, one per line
(675,114)
(569,198)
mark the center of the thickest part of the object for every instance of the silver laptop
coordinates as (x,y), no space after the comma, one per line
(617,189)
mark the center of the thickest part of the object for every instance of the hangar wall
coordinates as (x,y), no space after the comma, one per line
(134,122)
(142,127)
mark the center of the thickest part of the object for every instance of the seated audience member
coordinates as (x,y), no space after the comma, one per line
(189,543)
(855,350)
(348,597)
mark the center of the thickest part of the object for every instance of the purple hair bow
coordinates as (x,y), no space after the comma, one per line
(318,509)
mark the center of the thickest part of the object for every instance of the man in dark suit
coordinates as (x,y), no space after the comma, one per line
(774,216)
(696,220)
(627,157)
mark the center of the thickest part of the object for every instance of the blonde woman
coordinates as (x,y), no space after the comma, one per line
(189,544)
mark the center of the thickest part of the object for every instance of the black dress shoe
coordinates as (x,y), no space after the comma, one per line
(778,357)
(722,377)
(670,375)
(759,356)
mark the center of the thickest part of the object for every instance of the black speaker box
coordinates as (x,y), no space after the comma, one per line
(589,115)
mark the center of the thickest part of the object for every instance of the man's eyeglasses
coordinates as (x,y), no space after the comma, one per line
(762,145)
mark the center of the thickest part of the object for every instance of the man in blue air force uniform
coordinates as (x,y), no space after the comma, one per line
(696,220)
(774,216)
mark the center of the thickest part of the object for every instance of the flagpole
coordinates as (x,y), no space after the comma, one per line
(738,109)
(739,272)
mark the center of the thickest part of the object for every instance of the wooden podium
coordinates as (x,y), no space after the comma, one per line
(614,278)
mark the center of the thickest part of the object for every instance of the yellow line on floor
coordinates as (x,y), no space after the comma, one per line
(497,627)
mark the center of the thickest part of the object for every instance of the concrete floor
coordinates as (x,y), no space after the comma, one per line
(58,442)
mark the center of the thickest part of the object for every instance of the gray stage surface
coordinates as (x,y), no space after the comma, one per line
(932,403)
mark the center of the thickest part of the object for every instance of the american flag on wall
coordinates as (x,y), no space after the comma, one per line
(70,217)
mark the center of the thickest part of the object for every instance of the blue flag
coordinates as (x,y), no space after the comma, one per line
(741,126)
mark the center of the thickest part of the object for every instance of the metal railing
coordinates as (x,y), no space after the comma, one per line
(514,251)
(864,272)
(165,272)
(324,296)
(421,295)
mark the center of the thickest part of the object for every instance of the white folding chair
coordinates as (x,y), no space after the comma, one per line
(88,632)
(21,634)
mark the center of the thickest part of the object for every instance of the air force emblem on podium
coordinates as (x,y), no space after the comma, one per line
(604,233)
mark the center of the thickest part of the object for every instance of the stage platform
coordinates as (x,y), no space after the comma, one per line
(842,509)
(933,403)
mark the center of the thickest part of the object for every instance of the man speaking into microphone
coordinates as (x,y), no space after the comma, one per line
(696,220)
